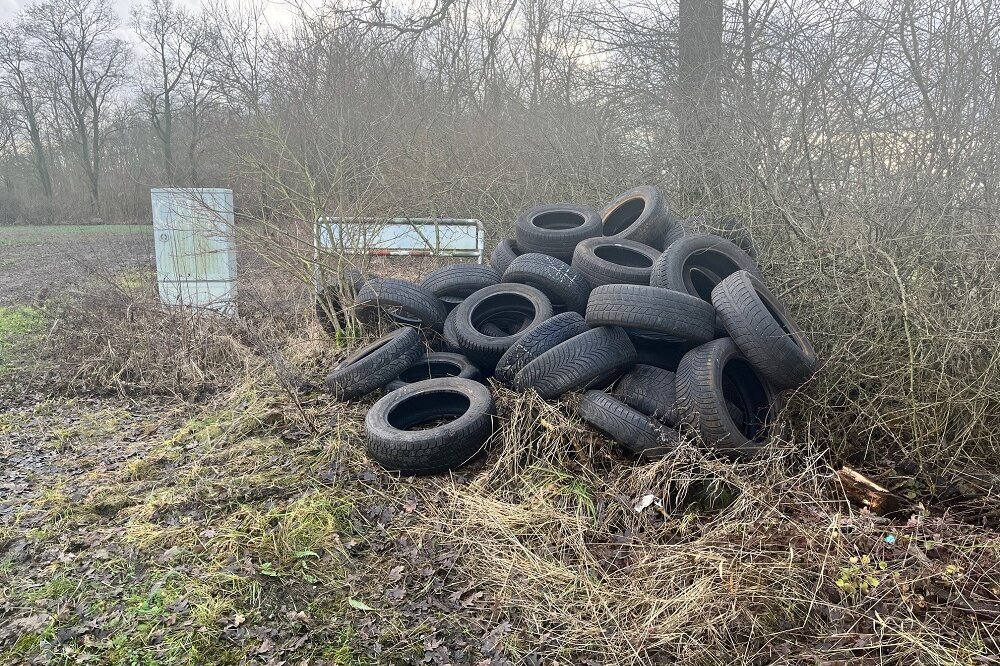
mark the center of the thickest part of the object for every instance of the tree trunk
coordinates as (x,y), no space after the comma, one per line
(699,73)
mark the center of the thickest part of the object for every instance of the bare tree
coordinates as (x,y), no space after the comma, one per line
(175,40)
(20,81)
(88,61)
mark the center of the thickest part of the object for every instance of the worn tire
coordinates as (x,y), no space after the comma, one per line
(639,434)
(513,308)
(652,312)
(457,281)
(505,252)
(592,359)
(435,365)
(536,342)
(666,354)
(641,214)
(562,283)
(609,261)
(394,445)
(673,234)
(555,229)
(449,335)
(402,302)
(708,377)
(763,330)
(696,264)
(650,390)
(375,365)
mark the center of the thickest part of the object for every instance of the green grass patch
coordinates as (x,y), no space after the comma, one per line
(17,325)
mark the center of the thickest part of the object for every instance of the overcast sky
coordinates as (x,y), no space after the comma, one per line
(278,12)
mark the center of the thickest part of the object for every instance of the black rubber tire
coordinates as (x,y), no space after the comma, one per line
(673,234)
(536,342)
(593,359)
(650,390)
(696,264)
(641,214)
(392,444)
(735,229)
(375,365)
(608,261)
(449,335)
(505,252)
(652,311)
(555,229)
(636,432)
(459,280)
(401,302)
(562,283)
(435,365)
(763,330)
(511,307)
(709,377)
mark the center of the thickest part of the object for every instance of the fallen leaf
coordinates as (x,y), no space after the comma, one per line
(360,605)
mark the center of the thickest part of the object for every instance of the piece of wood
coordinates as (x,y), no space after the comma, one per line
(863,491)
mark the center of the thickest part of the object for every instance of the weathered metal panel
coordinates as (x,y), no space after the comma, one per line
(447,237)
(195,247)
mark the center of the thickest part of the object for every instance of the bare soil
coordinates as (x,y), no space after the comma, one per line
(36,262)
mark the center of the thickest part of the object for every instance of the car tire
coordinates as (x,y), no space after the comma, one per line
(457,281)
(375,365)
(593,359)
(504,253)
(641,214)
(638,434)
(435,365)
(512,308)
(536,342)
(396,446)
(401,302)
(696,264)
(556,229)
(564,286)
(609,261)
(650,390)
(708,377)
(652,312)
(764,331)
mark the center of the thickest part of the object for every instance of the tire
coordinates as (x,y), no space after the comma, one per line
(504,253)
(652,312)
(650,390)
(592,359)
(641,214)
(673,234)
(457,281)
(513,308)
(636,432)
(435,365)
(734,228)
(696,264)
(708,377)
(394,445)
(555,229)
(564,286)
(763,330)
(375,365)
(536,342)
(607,261)
(450,335)
(401,302)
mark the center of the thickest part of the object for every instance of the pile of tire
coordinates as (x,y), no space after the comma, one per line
(663,329)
